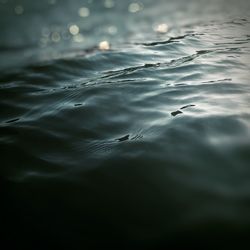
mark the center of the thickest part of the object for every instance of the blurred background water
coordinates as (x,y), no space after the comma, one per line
(124,124)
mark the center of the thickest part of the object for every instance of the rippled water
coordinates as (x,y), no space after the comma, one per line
(146,144)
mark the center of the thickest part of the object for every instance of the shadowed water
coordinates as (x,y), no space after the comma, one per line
(145,145)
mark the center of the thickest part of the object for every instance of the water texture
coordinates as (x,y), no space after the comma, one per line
(143,144)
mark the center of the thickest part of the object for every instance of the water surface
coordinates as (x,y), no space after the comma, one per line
(143,145)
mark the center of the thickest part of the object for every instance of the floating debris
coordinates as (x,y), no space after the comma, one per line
(187,106)
(124,138)
(177,112)
(13,120)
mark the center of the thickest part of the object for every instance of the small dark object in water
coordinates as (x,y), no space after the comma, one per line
(78,104)
(124,138)
(177,112)
(13,120)
(187,106)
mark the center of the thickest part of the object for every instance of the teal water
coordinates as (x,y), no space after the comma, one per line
(143,145)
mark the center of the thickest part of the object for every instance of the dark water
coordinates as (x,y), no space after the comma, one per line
(143,145)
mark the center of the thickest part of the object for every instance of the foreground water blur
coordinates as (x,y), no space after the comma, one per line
(124,124)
